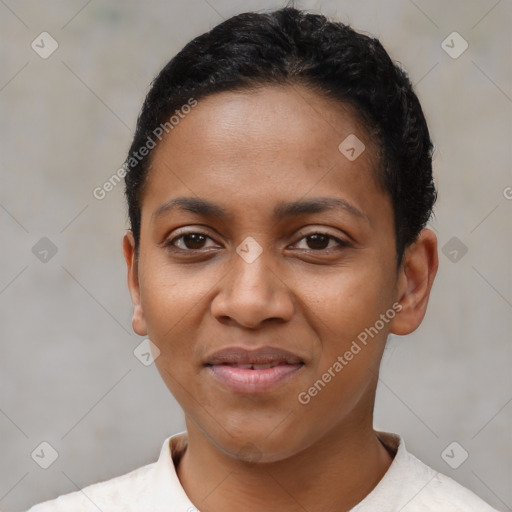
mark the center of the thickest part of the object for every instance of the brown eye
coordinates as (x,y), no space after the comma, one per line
(194,240)
(189,241)
(317,241)
(320,241)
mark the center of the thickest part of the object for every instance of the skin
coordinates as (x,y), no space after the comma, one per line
(248,152)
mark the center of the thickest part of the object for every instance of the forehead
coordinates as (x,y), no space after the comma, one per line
(254,147)
(288,119)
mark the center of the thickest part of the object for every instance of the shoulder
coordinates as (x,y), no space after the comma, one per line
(110,495)
(440,492)
(410,485)
(150,488)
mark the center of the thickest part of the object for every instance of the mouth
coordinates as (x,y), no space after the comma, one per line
(252,366)
(253,371)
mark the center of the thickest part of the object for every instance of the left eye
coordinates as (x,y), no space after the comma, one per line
(319,241)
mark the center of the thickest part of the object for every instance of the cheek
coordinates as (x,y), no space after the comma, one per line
(348,300)
(172,304)
(344,308)
(176,302)
(169,299)
(173,300)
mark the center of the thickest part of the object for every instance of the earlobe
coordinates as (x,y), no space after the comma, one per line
(138,320)
(416,276)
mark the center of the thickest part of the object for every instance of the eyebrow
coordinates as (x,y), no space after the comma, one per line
(282,210)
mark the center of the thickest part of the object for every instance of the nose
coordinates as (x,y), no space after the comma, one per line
(252,293)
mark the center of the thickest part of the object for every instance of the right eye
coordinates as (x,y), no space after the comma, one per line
(188,242)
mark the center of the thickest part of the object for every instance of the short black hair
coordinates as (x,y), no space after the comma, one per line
(292,46)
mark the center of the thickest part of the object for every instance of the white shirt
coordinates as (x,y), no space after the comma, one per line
(407,486)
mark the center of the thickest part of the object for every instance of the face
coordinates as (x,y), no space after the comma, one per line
(264,244)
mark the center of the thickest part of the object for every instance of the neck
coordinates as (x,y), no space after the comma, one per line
(335,473)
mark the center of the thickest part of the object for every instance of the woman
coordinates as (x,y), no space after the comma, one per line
(278,186)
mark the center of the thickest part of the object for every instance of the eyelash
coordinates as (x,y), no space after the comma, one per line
(341,243)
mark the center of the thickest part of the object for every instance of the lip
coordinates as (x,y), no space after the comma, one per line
(238,368)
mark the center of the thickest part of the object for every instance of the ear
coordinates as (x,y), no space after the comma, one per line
(415,278)
(138,320)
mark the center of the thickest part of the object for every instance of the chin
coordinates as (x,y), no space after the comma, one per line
(261,446)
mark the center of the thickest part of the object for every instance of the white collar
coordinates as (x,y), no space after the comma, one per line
(168,489)
(408,484)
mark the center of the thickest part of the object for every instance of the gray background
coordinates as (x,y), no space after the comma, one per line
(68,375)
